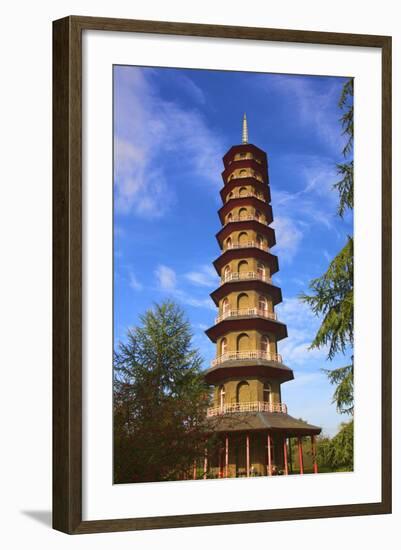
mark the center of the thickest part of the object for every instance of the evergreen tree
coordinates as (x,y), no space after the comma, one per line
(337,454)
(160,399)
(332,294)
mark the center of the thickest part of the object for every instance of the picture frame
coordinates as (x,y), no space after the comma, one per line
(67,273)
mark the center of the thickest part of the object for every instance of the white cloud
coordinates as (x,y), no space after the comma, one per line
(167,282)
(166,277)
(192,89)
(137,185)
(299,353)
(148,128)
(309,207)
(302,326)
(134,283)
(288,237)
(195,302)
(315,109)
(205,276)
(313,199)
(292,309)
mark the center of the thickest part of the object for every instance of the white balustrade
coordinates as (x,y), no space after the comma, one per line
(245,276)
(248,355)
(249,244)
(247,312)
(248,406)
(249,217)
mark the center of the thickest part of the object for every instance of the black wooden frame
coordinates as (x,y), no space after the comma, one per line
(67,274)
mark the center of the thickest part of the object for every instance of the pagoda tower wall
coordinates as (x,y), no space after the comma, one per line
(247,411)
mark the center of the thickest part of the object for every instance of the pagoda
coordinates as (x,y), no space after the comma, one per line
(248,417)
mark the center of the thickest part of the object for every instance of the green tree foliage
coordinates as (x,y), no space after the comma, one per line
(345,186)
(331,295)
(343,379)
(332,298)
(160,399)
(337,454)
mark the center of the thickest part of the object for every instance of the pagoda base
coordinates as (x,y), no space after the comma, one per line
(261,444)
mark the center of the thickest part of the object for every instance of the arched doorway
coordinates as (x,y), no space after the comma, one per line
(243,267)
(243,301)
(243,213)
(262,305)
(243,238)
(267,393)
(223,346)
(261,271)
(227,272)
(243,393)
(265,344)
(243,342)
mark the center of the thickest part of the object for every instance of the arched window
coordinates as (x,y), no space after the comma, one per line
(267,393)
(261,271)
(243,213)
(227,271)
(243,393)
(243,301)
(243,266)
(243,173)
(243,238)
(264,344)
(229,196)
(259,241)
(223,346)
(262,304)
(229,243)
(225,305)
(243,192)
(229,217)
(243,342)
(222,396)
(258,215)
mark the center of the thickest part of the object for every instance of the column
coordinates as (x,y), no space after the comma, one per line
(313,439)
(205,465)
(194,472)
(226,472)
(269,455)
(301,461)
(220,462)
(285,456)
(247,456)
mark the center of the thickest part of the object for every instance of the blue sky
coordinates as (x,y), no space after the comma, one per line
(171,129)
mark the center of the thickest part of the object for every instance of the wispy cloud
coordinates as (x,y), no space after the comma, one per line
(166,277)
(289,236)
(315,107)
(302,327)
(205,276)
(148,128)
(309,207)
(134,283)
(189,87)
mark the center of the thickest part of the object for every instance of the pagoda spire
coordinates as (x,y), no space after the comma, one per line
(244,129)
